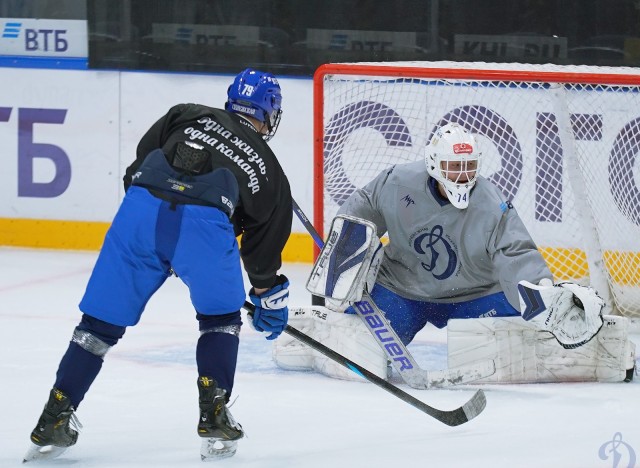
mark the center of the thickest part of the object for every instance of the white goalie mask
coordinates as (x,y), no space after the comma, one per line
(453,159)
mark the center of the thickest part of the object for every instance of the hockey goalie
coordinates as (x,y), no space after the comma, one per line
(458,256)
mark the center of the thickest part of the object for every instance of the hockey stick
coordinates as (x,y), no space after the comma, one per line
(460,415)
(401,360)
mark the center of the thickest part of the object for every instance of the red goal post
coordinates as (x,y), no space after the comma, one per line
(561,142)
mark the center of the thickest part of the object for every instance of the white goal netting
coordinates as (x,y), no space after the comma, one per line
(562,143)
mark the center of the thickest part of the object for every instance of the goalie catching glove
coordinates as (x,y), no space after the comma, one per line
(348,263)
(572,313)
(272,313)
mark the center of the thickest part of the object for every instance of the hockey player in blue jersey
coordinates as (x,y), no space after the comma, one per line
(202,176)
(457,250)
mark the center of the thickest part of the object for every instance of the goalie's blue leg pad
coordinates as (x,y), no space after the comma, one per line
(408,316)
(83,359)
(217,348)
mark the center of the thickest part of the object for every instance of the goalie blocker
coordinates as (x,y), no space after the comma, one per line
(348,263)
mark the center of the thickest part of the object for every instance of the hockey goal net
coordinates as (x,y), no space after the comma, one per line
(562,143)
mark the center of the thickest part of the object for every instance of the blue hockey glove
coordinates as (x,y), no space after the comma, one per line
(272,313)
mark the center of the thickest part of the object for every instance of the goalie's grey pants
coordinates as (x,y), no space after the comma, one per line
(408,316)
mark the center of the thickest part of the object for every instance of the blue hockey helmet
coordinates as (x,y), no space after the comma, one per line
(256,94)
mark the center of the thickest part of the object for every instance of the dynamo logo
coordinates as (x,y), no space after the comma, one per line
(619,451)
(11,30)
(433,245)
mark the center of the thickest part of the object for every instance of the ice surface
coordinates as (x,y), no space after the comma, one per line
(142,409)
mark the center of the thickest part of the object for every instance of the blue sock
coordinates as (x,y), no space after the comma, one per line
(79,367)
(216,355)
(217,351)
(76,372)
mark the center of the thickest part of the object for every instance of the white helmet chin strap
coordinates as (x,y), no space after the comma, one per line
(457,194)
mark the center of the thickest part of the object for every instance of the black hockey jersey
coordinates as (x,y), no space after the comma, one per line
(264,212)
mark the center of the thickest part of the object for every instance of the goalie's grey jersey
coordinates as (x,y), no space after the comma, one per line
(439,253)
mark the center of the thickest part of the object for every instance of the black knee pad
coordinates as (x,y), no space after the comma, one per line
(227,323)
(104,331)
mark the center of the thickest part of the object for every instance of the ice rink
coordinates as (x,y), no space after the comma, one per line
(142,410)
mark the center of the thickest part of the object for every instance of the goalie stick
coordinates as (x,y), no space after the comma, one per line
(455,417)
(397,353)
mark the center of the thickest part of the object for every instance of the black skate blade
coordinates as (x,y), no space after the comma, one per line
(48,452)
(214,449)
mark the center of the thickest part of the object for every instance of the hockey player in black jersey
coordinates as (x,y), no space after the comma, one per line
(202,176)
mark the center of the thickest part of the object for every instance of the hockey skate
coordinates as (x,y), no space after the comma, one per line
(220,432)
(57,429)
